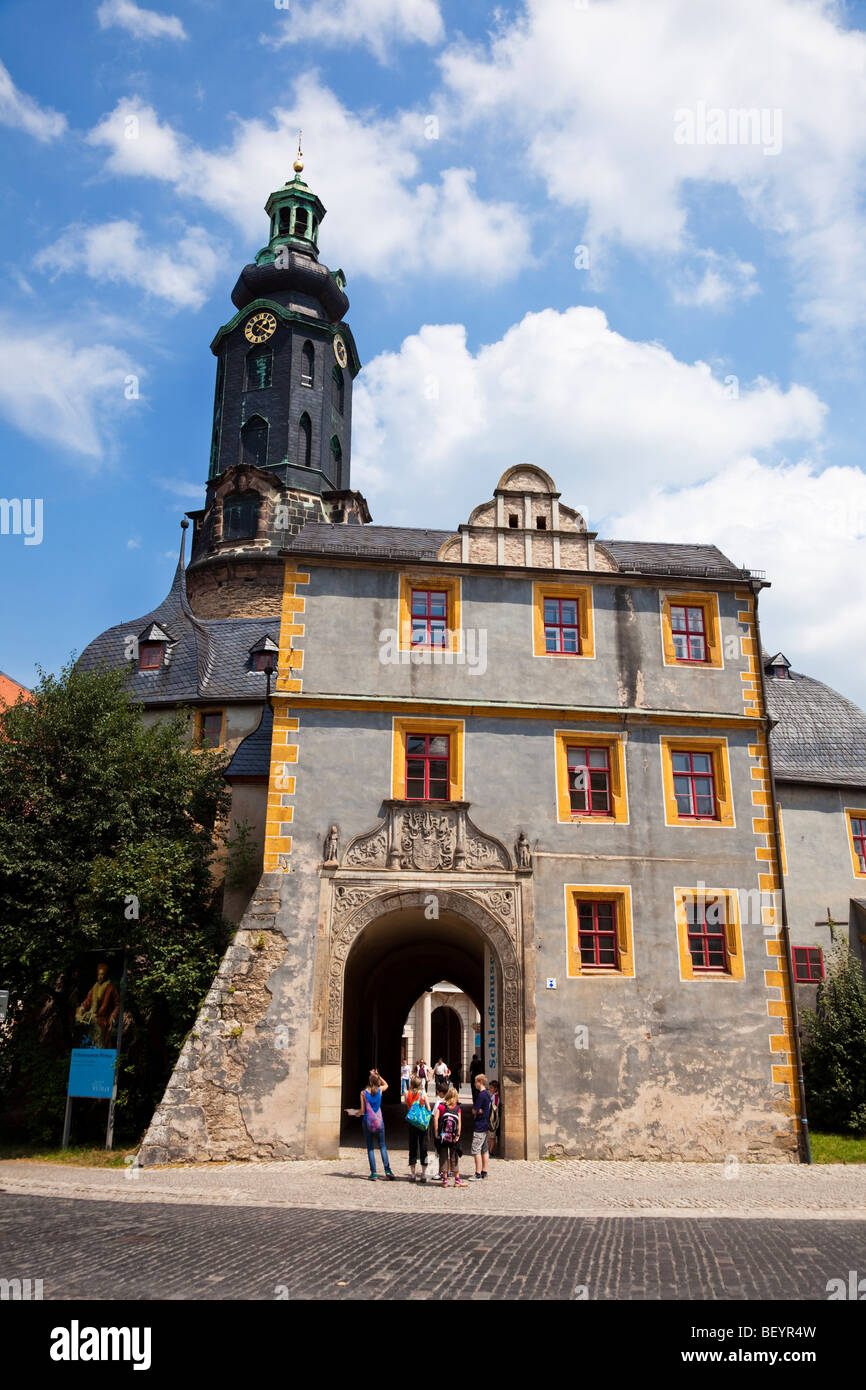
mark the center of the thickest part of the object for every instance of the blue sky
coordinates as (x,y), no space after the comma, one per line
(693,373)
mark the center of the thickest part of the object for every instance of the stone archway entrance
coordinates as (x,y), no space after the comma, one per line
(382,947)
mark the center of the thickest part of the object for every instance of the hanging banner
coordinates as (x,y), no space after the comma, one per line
(490,1017)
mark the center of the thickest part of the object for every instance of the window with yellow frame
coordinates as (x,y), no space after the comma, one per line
(599,936)
(562,621)
(696,777)
(857,840)
(691,630)
(429,612)
(708,934)
(210,726)
(590,776)
(433,733)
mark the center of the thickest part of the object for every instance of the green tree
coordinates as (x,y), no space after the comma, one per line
(107,835)
(834,1049)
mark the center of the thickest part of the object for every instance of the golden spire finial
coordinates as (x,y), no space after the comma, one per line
(299,162)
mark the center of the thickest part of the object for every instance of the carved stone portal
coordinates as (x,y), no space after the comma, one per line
(492,910)
(429,837)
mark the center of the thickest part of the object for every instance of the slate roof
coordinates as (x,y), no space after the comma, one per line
(396,542)
(207,658)
(663,557)
(326,538)
(820,736)
(252,757)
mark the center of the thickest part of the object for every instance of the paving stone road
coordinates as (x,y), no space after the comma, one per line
(103,1249)
(564,1188)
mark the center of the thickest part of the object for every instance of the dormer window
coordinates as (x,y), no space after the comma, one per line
(150,655)
(778,667)
(264,654)
(152,646)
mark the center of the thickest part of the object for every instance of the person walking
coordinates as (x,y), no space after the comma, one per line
(405,1074)
(475,1066)
(418,1138)
(373,1123)
(440,1071)
(480,1126)
(448,1124)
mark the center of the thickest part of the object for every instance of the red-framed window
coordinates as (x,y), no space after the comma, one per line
(688,632)
(150,656)
(562,626)
(262,660)
(429,617)
(858,834)
(706,930)
(694,785)
(210,730)
(589,781)
(808,964)
(597,937)
(427,764)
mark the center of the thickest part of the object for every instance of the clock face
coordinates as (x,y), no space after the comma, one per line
(340,351)
(260,327)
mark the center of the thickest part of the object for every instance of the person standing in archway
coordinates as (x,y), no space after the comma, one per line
(373,1123)
(475,1066)
(480,1127)
(417,1137)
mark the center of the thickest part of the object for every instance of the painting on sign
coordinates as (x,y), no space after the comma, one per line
(96,1015)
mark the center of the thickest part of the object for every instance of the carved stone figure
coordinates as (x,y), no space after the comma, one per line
(522,852)
(332,845)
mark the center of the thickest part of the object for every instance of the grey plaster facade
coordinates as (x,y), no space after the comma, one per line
(652,1060)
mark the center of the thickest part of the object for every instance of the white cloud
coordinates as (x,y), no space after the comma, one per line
(182,274)
(59,392)
(22,112)
(714,281)
(601,125)
(564,391)
(367,172)
(133,543)
(139,144)
(807,530)
(142,24)
(374,24)
(191,491)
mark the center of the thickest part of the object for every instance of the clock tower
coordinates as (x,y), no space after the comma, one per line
(281,439)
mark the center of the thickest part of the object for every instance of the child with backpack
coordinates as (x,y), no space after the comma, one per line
(417,1137)
(448,1121)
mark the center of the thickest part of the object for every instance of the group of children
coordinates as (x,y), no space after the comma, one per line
(446,1126)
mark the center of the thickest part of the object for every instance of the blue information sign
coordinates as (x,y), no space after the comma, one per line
(91,1072)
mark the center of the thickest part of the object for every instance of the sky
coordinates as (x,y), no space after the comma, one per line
(622,241)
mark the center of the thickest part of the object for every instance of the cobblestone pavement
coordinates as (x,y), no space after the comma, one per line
(561,1188)
(107,1250)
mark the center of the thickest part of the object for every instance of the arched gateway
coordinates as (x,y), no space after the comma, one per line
(390,932)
